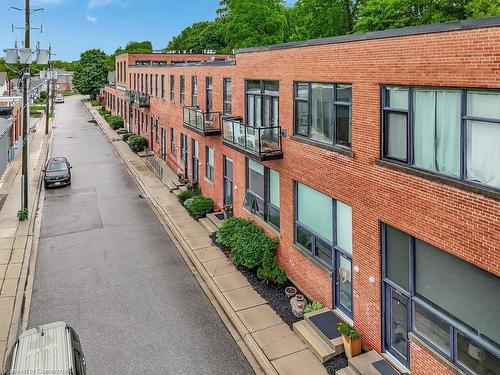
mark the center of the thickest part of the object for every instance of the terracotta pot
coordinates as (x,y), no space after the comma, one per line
(352,347)
(290,291)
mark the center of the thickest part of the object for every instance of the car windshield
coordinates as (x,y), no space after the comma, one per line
(58,166)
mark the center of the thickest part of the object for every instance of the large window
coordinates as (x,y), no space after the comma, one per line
(172,140)
(262,103)
(172,88)
(195,154)
(447,131)
(323,112)
(227,96)
(182,85)
(156,85)
(453,305)
(209,163)
(163,86)
(184,147)
(322,225)
(262,196)
(194,91)
(209,94)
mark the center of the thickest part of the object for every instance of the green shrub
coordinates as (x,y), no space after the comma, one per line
(348,330)
(95,103)
(189,193)
(137,143)
(116,122)
(230,229)
(126,136)
(315,306)
(22,214)
(199,206)
(270,269)
(43,95)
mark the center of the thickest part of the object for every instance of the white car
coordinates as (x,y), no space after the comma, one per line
(59,99)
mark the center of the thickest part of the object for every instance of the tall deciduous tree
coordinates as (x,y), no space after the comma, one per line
(131,47)
(483,8)
(198,37)
(312,19)
(91,73)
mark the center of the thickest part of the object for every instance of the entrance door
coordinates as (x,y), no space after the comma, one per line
(195,150)
(343,283)
(163,143)
(228,181)
(396,324)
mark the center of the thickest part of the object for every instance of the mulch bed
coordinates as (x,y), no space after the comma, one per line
(275,296)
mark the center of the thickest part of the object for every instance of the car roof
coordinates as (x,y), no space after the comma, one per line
(57,159)
(42,348)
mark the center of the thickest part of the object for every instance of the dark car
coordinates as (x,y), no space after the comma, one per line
(57,172)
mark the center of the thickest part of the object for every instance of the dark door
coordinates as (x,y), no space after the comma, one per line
(195,155)
(343,283)
(163,143)
(228,181)
(396,324)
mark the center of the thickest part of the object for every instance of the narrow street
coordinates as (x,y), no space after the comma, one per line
(106,266)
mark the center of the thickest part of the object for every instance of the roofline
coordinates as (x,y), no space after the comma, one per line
(390,33)
(229,62)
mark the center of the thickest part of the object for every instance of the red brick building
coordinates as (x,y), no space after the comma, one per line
(374,159)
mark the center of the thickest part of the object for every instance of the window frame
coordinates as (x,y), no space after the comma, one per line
(184,147)
(209,93)
(182,89)
(194,91)
(262,95)
(172,88)
(335,104)
(227,103)
(157,125)
(413,300)
(163,86)
(410,128)
(209,169)
(267,194)
(172,141)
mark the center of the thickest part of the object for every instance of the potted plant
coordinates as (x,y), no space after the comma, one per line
(351,338)
(228,211)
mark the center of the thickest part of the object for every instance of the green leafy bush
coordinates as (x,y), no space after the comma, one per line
(230,229)
(315,306)
(199,206)
(95,103)
(126,136)
(189,193)
(348,330)
(22,214)
(137,143)
(115,122)
(270,269)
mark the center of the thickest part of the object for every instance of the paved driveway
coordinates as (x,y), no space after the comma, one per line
(106,266)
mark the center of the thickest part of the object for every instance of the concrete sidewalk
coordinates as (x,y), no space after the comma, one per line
(17,239)
(277,349)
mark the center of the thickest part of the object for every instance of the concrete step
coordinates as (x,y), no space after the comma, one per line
(208,224)
(215,220)
(179,190)
(324,322)
(371,363)
(321,349)
(346,371)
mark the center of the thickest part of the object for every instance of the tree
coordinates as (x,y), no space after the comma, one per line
(310,19)
(131,47)
(91,73)
(198,37)
(377,15)
(483,8)
(249,23)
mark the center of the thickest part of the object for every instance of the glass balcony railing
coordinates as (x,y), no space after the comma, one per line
(140,99)
(206,123)
(265,143)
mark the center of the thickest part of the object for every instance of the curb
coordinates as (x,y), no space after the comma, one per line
(187,253)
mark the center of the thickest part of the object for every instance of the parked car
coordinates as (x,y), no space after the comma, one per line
(59,99)
(49,349)
(57,172)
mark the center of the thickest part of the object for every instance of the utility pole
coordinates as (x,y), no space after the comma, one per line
(24,195)
(47,104)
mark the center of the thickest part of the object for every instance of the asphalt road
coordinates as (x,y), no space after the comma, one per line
(106,266)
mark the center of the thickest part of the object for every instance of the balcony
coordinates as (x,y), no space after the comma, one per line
(257,143)
(137,98)
(204,123)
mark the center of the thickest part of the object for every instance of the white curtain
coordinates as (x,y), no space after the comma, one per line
(436,118)
(483,152)
(321,112)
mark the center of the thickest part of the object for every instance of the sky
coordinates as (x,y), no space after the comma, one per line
(73,26)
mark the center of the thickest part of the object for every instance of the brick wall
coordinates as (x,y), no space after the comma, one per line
(464,223)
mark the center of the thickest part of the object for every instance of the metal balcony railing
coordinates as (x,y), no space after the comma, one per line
(264,143)
(140,99)
(205,123)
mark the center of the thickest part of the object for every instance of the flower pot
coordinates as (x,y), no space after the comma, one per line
(352,347)
(290,291)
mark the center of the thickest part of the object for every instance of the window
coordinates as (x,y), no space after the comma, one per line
(209,94)
(262,196)
(172,140)
(146,89)
(157,125)
(262,103)
(323,112)
(163,86)
(151,84)
(172,88)
(227,94)
(209,157)
(454,305)
(446,131)
(323,225)
(184,147)
(195,150)
(182,85)
(156,85)
(194,91)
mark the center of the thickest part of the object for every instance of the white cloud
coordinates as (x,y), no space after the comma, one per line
(92,19)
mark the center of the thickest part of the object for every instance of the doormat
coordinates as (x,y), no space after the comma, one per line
(384,368)
(327,324)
